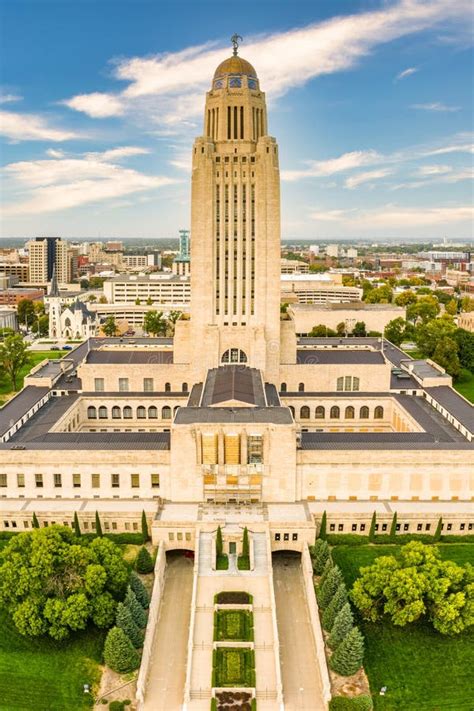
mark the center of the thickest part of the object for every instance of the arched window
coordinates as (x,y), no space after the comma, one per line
(364,413)
(350,412)
(301,388)
(304,412)
(347,383)
(283,388)
(320,413)
(378,412)
(116,414)
(184,387)
(234,355)
(91,413)
(127,412)
(292,410)
(152,412)
(141,412)
(67,322)
(167,387)
(335,412)
(166,413)
(103,412)
(175,410)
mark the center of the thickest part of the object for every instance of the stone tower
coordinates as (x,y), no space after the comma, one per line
(54,311)
(235,224)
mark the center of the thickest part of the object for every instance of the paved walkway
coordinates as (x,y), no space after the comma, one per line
(168,665)
(300,675)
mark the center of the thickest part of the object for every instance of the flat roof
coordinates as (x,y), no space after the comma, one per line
(19,405)
(327,356)
(378,440)
(455,404)
(93,440)
(130,357)
(239,415)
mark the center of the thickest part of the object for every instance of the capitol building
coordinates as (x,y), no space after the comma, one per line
(236,421)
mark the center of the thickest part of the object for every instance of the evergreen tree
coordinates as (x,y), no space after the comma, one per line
(35,521)
(337,603)
(245,543)
(322,529)
(372,528)
(329,587)
(138,613)
(349,655)
(343,624)
(393,528)
(140,590)
(328,566)
(145,533)
(119,653)
(77,528)
(98,525)
(321,554)
(219,544)
(124,620)
(439,528)
(144,561)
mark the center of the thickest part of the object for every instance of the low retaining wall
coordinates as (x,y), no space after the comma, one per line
(189,660)
(307,569)
(276,638)
(153,616)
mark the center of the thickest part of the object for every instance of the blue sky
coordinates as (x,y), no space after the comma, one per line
(370,101)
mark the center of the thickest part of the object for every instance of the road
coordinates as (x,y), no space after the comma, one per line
(165,689)
(300,675)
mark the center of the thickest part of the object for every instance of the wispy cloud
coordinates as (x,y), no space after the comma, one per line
(447,177)
(434,169)
(9,98)
(393,216)
(436,106)
(164,84)
(406,73)
(65,182)
(341,164)
(30,127)
(369,176)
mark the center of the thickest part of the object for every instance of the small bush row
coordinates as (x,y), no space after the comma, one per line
(355,703)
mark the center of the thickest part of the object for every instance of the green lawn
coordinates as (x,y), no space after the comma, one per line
(466,388)
(43,675)
(234,625)
(423,670)
(234,667)
(35,357)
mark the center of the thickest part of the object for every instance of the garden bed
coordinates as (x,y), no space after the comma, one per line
(233,701)
(233,625)
(233,666)
(233,597)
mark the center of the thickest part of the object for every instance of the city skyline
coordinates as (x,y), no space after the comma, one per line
(109,126)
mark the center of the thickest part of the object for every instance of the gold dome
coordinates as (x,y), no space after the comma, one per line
(235,65)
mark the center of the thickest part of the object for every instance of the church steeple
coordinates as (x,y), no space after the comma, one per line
(53,288)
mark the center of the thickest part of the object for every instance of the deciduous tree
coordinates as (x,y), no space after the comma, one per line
(13,356)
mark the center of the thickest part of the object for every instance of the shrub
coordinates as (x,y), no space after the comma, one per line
(328,588)
(138,613)
(98,525)
(140,590)
(355,703)
(116,706)
(329,565)
(322,528)
(35,521)
(393,528)
(125,621)
(320,553)
(346,539)
(119,653)
(133,538)
(245,544)
(349,655)
(373,523)
(77,528)
(337,603)
(219,544)
(439,528)
(144,561)
(343,624)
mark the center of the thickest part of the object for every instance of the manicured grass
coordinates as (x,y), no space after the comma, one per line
(233,667)
(466,387)
(222,562)
(44,675)
(234,625)
(35,357)
(423,670)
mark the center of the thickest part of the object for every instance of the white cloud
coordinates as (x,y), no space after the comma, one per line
(368,176)
(406,73)
(63,182)
(54,153)
(9,98)
(434,169)
(322,168)
(393,216)
(118,153)
(30,127)
(283,60)
(436,106)
(96,105)
(447,177)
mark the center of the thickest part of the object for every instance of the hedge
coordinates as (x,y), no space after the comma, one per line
(355,703)
(353,539)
